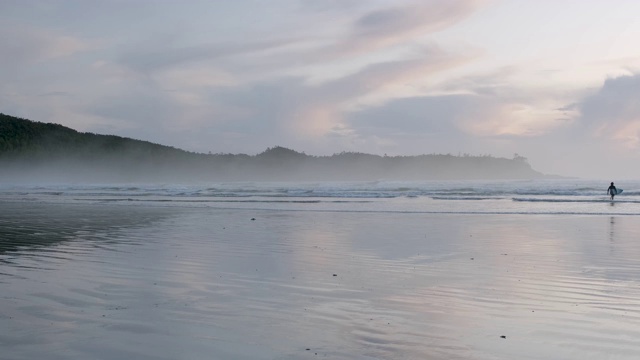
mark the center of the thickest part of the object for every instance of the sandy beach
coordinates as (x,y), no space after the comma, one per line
(136,282)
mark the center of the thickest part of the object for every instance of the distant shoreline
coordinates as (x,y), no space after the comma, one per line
(34,149)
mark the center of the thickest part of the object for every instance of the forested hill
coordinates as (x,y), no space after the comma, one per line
(21,138)
(34,151)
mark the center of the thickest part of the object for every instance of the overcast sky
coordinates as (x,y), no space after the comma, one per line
(556,81)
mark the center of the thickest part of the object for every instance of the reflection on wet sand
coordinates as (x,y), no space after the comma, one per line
(29,225)
(113,282)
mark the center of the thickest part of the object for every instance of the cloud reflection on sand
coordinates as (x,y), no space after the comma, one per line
(176,282)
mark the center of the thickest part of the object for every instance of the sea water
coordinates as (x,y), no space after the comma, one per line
(473,197)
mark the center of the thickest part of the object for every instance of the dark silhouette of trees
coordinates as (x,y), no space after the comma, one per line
(29,146)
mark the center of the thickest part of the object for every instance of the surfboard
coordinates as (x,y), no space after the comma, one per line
(618,191)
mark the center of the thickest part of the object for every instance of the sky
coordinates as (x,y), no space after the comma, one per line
(555,81)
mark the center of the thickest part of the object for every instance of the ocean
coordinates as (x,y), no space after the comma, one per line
(543,269)
(456,197)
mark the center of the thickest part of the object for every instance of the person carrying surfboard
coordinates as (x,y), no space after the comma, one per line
(612,190)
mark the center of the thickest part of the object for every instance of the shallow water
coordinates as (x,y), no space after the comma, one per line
(107,281)
(567,196)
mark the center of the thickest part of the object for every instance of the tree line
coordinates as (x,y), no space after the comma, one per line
(36,145)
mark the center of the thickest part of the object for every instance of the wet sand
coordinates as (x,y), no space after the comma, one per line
(116,282)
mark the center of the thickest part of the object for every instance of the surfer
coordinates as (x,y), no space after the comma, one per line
(612,190)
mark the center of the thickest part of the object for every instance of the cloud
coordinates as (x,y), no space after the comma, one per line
(157,54)
(601,136)
(496,107)
(22,45)
(377,76)
(395,25)
(284,111)
(332,7)
(275,109)
(429,123)
(613,112)
(362,33)
(427,116)
(177,90)
(40,70)
(329,101)
(384,28)
(467,114)
(475,115)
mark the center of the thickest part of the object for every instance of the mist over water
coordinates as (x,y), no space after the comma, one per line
(278,164)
